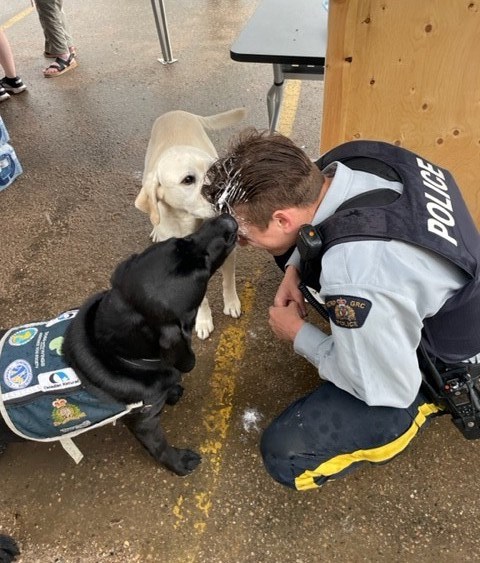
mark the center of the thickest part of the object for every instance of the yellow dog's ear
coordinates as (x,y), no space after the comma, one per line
(147,202)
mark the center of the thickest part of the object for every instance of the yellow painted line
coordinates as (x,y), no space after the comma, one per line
(291,95)
(17,18)
(195,510)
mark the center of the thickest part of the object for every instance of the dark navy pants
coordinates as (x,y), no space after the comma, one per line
(329,433)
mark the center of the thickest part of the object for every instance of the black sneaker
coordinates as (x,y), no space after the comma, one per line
(13,85)
(4,95)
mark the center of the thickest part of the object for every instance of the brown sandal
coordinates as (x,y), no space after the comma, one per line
(61,66)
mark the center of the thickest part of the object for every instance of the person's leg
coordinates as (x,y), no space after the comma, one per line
(57,38)
(49,53)
(50,16)
(329,433)
(6,56)
(11,82)
(66,27)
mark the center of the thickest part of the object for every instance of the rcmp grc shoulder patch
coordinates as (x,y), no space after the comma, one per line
(347,311)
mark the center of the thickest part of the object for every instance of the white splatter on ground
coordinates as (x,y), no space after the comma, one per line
(250,419)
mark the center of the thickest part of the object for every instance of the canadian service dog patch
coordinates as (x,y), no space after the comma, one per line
(347,311)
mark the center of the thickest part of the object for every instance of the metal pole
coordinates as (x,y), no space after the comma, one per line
(162,32)
(275,97)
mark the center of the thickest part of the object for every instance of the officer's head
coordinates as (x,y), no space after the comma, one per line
(269,185)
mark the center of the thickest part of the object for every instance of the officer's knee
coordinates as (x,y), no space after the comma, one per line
(278,456)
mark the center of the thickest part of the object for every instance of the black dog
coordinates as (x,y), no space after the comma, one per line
(132,343)
(8,549)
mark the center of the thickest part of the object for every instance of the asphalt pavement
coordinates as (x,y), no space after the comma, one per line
(65,224)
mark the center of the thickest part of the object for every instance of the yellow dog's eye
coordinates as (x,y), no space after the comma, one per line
(188,180)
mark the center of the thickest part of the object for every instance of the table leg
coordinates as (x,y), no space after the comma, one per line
(162,31)
(275,96)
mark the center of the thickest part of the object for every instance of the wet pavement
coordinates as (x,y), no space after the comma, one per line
(70,218)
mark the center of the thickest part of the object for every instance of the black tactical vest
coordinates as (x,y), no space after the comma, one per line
(430,213)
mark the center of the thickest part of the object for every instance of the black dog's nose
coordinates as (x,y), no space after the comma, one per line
(228,221)
(231,228)
(222,226)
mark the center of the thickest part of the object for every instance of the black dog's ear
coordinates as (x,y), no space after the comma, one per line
(176,348)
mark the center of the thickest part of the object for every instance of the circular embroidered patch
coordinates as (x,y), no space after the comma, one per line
(22,336)
(347,311)
(18,375)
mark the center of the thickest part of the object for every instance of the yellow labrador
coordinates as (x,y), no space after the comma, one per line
(179,154)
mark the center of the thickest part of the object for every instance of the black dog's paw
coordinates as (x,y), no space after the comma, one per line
(8,549)
(174,394)
(186,461)
(3,447)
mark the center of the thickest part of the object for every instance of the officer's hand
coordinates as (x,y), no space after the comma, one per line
(285,321)
(288,291)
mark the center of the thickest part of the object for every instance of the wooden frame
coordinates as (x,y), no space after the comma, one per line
(407,72)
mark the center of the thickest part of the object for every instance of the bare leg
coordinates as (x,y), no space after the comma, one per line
(10,83)
(6,56)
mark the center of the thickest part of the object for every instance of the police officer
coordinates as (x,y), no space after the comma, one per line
(394,255)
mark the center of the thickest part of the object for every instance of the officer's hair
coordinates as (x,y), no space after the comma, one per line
(262,173)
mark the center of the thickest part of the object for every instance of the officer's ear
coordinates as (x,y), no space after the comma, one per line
(286,220)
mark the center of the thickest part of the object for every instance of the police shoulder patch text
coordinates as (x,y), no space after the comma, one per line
(347,311)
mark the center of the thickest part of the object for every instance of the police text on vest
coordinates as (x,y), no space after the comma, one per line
(439,206)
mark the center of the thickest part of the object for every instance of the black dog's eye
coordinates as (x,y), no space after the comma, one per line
(188,180)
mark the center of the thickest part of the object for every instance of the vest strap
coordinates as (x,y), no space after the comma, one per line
(72,449)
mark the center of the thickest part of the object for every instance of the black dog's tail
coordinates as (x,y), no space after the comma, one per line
(8,549)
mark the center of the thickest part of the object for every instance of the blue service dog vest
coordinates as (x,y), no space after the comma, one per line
(42,398)
(430,213)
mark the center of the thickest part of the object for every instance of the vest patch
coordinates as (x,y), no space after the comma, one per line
(347,311)
(41,397)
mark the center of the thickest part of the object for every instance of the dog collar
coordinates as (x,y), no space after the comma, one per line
(149,363)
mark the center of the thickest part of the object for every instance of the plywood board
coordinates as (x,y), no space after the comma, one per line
(408,72)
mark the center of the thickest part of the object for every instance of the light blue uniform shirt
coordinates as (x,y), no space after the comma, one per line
(377,362)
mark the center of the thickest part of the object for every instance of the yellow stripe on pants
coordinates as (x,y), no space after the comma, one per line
(375,455)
